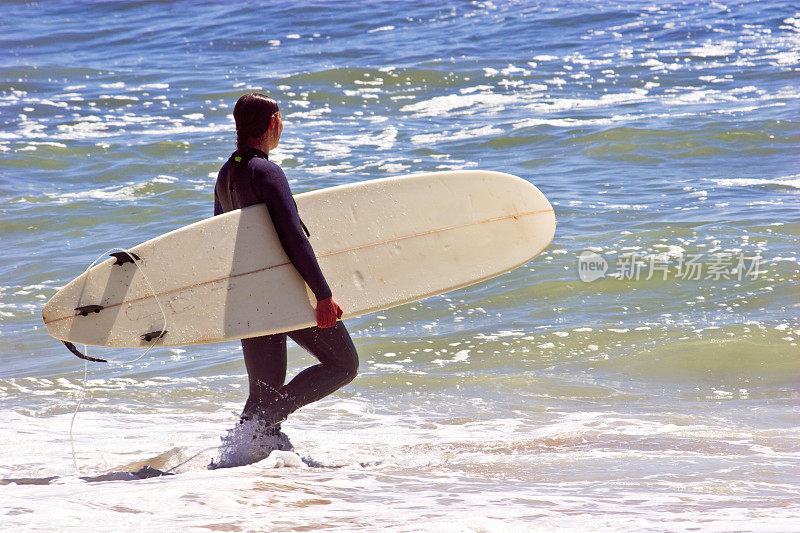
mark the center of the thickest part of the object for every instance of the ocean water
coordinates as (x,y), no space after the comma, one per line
(641,374)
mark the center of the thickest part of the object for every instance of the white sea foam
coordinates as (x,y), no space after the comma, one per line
(394,166)
(475,88)
(337,146)
(466,103)
(784,181)
(113,193)
(127,192)
(312,114)
(711,49)
(118,97)
(459,357)
(433,138)
(382,28)
(565,104)
(785,58)
(565,122)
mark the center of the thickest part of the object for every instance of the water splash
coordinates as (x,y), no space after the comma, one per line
(250,441)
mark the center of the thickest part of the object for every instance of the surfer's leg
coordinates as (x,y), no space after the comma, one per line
(338,365)
(265,360)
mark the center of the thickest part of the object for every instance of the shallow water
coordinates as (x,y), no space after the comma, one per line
(662,395)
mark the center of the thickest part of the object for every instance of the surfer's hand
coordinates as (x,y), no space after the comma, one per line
(328,312)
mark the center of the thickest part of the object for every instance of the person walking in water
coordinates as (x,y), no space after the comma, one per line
(249,178)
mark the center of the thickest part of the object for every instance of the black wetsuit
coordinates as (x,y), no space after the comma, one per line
(262,181)
(256,180)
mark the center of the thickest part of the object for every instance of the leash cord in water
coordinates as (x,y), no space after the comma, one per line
(85,348)
(75,413)
(169,470)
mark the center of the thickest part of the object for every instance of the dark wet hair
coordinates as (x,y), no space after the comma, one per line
(252,113)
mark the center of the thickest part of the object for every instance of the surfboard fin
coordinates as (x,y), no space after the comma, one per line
(71,347)
(124,257)
(86,309)
(147,337)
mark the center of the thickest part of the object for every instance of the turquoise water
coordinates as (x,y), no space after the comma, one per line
(663,135)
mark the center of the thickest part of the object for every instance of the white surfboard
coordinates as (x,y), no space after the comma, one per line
(380,243)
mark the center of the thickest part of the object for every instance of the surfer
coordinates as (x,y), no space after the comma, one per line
(249,178)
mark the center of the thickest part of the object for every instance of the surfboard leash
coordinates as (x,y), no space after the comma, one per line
(122,256)
(75,413)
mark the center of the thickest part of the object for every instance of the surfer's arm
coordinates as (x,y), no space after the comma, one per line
(218,210)
(282,211)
